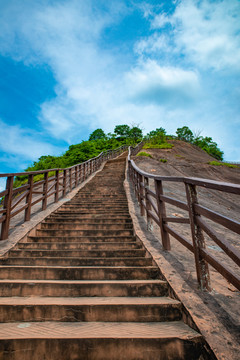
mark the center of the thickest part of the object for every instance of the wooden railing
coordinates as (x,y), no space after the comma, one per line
(153,205)
(63,181)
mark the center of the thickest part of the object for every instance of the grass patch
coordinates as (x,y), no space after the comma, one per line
(158,146)
(163,160)
(217,163)
(143,153)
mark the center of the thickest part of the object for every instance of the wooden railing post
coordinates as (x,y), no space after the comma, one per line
(45,189)
(75,175)
(70,179)
(198,239)
(141,194)
(29,198)
(161,214)
(84,171)
(7,207)
(56,186)
(64,182)
(148,204)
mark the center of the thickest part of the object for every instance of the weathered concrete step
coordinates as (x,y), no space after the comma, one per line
(83,246)
(80,239)
(79,273)
(71,261)
(77,288)
(78,253)
(89,195)
(95,205)
(79,201)
(86,220)
(100,341)
(42,232)
(101,212)
(89,226)
(90,217)
(121,309)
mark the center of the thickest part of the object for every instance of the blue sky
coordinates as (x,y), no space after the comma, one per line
(69,67)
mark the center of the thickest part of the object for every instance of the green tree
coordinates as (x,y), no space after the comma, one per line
(208,145)
(122,131)
(185,134)
(135,134)
(156,132)
(97,134)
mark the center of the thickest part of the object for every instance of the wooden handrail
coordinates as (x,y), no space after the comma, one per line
(61,183)
(156,200)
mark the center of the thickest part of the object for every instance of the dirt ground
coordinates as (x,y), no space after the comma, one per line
(223,301)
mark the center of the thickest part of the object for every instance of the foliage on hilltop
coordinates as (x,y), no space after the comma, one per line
(123,135)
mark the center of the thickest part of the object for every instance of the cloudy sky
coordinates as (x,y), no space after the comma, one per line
(68,67)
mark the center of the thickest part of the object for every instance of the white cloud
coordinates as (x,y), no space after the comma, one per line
(99,88)
(172,86)
(21,145)
(207,32)
(2,184)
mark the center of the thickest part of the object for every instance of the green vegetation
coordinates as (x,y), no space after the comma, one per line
(143,153)
(98,142)
(163,160)
(217,163)
(160,146)
(205,143)
(123,135)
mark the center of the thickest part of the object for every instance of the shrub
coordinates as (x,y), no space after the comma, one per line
(217,163)
(143,153)
(158,146)
(163,160)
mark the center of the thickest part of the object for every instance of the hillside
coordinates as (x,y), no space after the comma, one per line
(185,159)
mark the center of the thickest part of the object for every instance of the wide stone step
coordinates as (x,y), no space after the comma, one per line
(100,340)
(92,232)
(87,220)
(77,288)
(80,239)
(78,253)
(83,246)
(89,217)
(71,261)
(89,226)
(121,309)
(102,211)
(79,272)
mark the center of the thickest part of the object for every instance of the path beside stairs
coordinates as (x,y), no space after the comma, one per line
(85,288)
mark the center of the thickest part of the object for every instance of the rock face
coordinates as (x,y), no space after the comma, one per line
(85,288)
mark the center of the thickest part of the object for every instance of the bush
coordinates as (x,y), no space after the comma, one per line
(143,153)
(158,146)
(163,160)
(217,163)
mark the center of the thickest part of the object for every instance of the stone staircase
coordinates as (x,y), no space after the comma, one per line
(83,287)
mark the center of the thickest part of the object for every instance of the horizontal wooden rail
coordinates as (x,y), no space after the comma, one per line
(154,208)
(23,198)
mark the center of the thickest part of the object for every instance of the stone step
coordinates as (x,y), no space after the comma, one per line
(89,226)
(86,220)
(80,239)
(82,246)
(101,212)
(78,253)
(79,272)
(120,309)
(92,232)
(72,261)
(89,217)
(79,288)
(100,340)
